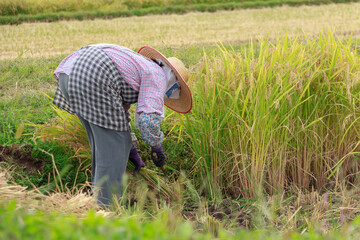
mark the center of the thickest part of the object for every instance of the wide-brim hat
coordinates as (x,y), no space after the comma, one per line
(184,103)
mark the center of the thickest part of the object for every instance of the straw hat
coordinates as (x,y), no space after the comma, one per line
(184,103)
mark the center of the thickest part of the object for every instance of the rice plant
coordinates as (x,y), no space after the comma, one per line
(274,115)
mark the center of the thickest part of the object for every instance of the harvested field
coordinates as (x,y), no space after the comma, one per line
(51,39)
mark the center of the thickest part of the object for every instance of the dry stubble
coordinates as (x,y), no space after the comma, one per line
(49,39)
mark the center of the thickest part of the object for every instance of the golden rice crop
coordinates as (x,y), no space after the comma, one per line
(277,115)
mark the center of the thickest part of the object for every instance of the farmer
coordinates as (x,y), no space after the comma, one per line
(98,83)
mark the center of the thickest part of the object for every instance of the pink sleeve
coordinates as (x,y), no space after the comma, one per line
(66,65)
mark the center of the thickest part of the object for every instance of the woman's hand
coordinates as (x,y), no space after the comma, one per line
(158,156)
(135,158)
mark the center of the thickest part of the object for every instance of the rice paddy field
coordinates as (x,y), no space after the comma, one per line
(270,149)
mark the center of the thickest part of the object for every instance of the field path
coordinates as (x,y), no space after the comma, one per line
(49,39)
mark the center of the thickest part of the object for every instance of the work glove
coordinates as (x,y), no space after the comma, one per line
(135,158)
(158,156)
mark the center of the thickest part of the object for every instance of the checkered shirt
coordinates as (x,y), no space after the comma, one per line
(142,74)
(97,90)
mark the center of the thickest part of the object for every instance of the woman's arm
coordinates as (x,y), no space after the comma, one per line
(149,125)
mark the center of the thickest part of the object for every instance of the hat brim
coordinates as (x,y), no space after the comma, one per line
(184,103)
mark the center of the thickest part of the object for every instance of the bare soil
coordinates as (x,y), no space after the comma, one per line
(20,155)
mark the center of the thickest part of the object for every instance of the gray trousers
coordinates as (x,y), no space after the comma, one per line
(110,152)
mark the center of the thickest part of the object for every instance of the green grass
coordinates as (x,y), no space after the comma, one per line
(27,73)
(33,7)
(20,110)
(18,223)
(16,12)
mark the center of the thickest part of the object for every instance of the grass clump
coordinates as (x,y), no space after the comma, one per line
(284,114)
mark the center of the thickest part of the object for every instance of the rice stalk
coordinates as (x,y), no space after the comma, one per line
(276,115)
